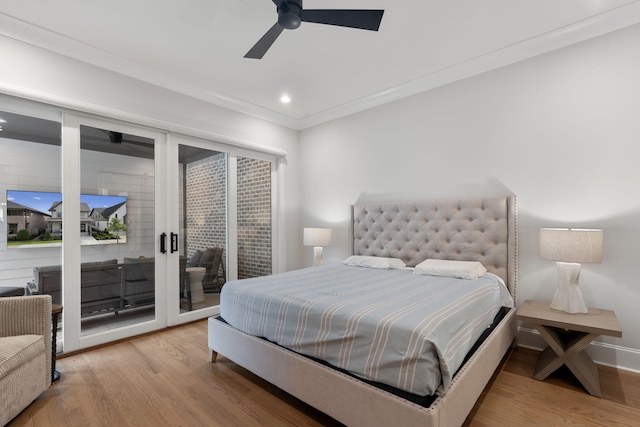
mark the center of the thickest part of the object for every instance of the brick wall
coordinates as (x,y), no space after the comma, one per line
(254,217)
(206,211)
(206,207)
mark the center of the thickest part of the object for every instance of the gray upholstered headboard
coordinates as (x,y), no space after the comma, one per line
(481,229)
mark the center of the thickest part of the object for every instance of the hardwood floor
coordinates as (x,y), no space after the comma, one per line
(164,379)
(514,398)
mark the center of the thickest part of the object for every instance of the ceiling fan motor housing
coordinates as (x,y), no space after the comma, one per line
(289,14)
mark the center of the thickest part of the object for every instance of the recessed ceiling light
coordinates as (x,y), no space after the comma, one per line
(285,99)
(2,120)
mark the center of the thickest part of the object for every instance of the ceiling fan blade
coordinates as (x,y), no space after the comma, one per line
(362,19)
(259,49)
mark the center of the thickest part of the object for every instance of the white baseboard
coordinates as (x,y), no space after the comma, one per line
(615,356)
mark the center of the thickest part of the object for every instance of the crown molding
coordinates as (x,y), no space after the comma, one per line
(607,22)
(40,37)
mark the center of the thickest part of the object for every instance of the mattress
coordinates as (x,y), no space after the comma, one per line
(408,331)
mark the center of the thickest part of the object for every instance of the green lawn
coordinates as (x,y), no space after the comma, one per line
(31,242)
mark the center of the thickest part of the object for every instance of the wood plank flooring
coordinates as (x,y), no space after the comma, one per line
(164,379)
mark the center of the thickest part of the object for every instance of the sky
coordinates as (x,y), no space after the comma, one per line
(42,201)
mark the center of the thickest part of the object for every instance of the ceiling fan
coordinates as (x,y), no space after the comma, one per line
(291,14)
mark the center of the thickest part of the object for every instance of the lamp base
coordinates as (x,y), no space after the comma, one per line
(317,256)
(569,297)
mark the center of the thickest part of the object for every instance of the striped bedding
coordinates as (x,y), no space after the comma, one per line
(408,331)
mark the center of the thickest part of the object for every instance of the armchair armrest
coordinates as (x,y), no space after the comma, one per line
(30,315)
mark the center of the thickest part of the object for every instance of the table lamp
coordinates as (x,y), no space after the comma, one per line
(317,237)
(569,247)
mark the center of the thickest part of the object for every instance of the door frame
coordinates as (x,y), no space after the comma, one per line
(174,317)
(172,166)
(71,244)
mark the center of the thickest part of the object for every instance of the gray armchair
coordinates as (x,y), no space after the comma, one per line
(25,352)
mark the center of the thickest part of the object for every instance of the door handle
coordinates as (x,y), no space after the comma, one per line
(174,242)
(163,243)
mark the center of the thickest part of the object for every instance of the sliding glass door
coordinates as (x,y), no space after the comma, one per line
(202,204)
(129,228)
(114,221)
(117,229)
(199,211)
(223,212)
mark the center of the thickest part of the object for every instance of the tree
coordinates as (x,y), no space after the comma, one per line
(23,235)
(116,227)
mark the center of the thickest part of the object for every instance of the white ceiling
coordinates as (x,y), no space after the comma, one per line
(196,47)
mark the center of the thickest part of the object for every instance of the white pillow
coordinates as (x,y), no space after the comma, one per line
(447,268)
(374,262)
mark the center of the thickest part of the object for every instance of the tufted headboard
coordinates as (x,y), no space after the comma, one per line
(480,229)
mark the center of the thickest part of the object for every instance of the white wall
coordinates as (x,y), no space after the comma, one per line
(561,131)
(56,78)
(134,178)
(30,166)
(18,161)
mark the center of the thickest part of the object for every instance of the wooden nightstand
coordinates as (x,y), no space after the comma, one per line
(567,336)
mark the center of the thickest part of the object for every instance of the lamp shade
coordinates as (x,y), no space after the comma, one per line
(317,237)
(571,244)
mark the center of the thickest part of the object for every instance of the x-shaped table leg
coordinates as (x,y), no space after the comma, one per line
(566,348)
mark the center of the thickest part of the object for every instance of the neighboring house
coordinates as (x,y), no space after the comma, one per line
(22,217)
(55,221)
(102,216)
(98,221)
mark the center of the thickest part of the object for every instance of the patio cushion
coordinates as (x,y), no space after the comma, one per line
(11,291)
(195,258)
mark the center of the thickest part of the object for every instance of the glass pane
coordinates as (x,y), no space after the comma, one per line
(30,171)
(203,219)
(254,217)
(117,224)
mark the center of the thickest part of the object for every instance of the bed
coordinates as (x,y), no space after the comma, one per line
(478,229)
